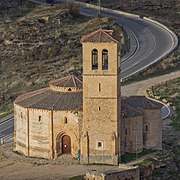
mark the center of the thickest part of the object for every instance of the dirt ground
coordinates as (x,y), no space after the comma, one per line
(16,167)
(13,166)
(17,170)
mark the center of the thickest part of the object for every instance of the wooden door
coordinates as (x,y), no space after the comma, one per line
(66,144)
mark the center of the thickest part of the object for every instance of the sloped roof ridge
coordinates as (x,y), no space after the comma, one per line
(69,78)
(59,79)
(56,101)
(89,35)
(63,82)
(73,78)
(110,35)
(146,102)
(78,79)
(33,93)
(32,104)
(100,34)
(100,31)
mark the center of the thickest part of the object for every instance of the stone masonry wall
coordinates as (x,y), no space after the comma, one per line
(66,123)
(133,134)
(20,129)
(39,133)
(152,135)
(114,58)
(101,126)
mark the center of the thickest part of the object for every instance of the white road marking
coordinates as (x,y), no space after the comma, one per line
(6,128)
(4,122)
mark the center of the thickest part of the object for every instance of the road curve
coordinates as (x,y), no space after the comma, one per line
(154,42)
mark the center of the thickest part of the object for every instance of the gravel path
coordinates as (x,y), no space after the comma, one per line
(139,88)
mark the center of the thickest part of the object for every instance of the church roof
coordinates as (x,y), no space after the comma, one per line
(68,81)
(130,111)
(102,35)
(143,102)
(51,100)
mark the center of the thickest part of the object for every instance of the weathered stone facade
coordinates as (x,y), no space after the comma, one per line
(101,100)
(88,119)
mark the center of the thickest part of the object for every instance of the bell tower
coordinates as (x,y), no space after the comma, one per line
(100,140)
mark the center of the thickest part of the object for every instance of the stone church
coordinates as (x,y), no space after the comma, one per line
(87,117)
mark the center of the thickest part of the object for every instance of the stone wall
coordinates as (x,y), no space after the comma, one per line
(101,127)
(101,105)
(114,58)
(39,133)
(152,129)
(133,134)
(67,123)
(21,129)
(110,86)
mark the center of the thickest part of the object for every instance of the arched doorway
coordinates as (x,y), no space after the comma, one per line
(66,144)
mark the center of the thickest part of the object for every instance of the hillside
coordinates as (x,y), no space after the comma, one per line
(13,9)
(42,45)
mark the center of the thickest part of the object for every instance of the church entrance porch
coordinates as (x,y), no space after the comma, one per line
(63,144)
(66,144)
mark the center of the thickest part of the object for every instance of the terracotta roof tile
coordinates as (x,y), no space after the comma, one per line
(102,35)
(69,81)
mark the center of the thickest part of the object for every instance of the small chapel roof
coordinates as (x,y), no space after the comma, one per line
(143,102)
(102,35)
(130,111)
(68,81)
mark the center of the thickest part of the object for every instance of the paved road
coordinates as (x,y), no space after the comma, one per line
(7,129)
(149,43)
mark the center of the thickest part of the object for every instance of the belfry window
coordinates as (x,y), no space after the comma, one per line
(105,59)
(94,59)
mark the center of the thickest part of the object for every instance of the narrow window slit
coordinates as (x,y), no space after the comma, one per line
(99,87)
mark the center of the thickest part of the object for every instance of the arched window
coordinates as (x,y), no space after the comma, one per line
(94,59)
(105,59)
